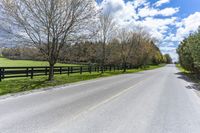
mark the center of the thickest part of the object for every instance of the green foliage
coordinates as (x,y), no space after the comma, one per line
(168,59)
(189,52)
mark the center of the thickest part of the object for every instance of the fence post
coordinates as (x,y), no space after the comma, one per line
(90,67)
(32,73)
(0,74)
(71,69)
(27,72)
(46,71)
(102,69)
(81,70)
(68,71)
(3,73)
(95,68)
(60,70)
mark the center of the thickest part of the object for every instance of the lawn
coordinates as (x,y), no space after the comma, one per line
(18,63)
(26,84)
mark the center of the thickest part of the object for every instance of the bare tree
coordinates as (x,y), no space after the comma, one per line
(49,24)
(125,46)
(131,43)
(106,28)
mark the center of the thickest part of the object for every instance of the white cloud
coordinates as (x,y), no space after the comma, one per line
(112,5)
(157,21)
(138,3)
(157,27)
(187,26)
(170,50)
(150,11)
(183,28)
(123,13)
(161,2)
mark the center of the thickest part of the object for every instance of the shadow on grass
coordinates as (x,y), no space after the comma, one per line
(32,85)
(14,86)
(191,78)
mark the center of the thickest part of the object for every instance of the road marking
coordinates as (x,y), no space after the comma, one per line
(91,108)
(108,100)
(56,88)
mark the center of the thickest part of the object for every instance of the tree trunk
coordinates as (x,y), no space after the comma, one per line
(124,65)
(51,72)
(103,57)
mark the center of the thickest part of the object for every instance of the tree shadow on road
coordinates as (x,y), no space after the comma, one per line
(191,78)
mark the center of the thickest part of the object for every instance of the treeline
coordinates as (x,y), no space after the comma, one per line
(138,50)
(189,53)
(22,53)
(74,31)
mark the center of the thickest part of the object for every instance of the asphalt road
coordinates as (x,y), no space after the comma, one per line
(156,101)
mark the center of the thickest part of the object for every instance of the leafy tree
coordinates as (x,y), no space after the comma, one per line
(189,55)
(168,59)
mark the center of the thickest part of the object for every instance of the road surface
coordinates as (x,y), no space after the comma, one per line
(156,101)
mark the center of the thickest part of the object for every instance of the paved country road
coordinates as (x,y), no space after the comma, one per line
(156,101)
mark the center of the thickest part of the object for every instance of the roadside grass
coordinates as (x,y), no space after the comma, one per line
(181,69)
(25,84)
(26,63)
(193,77)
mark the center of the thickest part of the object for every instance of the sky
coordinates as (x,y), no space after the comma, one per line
(169,21)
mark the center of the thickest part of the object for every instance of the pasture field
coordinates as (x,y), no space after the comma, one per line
(25,63)
(16,85)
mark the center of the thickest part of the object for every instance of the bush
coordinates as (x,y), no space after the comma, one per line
(189,52)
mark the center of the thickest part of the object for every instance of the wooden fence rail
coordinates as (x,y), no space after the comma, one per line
(16,72)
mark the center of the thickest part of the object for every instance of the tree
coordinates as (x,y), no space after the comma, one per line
(189,55)
(168,59)
(140,50)
(126,46)
(48,25)
(106,28)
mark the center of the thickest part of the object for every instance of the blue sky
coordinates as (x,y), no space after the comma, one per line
(167,20)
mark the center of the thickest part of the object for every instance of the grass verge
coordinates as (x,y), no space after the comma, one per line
(193,77)
(26,84)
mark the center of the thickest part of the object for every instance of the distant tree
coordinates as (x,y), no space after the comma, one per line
(106,27)
(168,59)
(126,46)
(48,25)
(157,56)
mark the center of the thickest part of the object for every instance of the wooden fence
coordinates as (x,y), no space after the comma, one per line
(16,72)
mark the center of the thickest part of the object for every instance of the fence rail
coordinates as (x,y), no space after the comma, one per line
(16,72)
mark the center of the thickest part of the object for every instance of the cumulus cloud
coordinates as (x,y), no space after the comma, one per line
(183,28)
(187,26)
(112,5)
(161,2)
(140,12)
(157,21)
(150,11)
(157,27)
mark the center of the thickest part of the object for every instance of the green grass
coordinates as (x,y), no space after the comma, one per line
(193,77)
(26,84)
(23,63)
(181,69)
